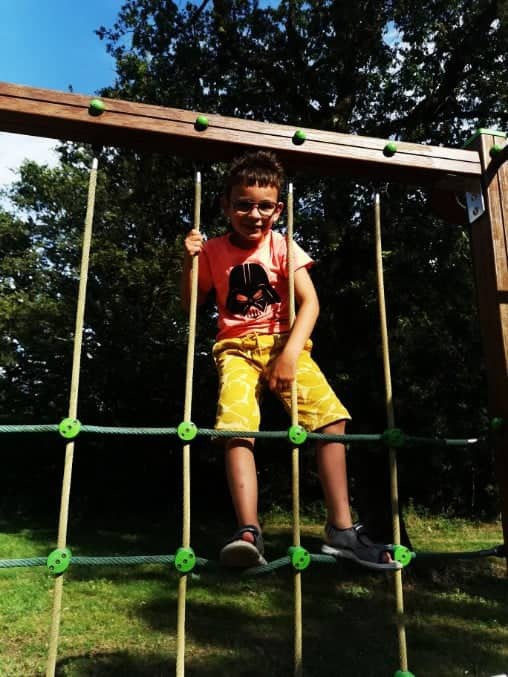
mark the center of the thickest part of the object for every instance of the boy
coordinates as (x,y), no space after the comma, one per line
(256,346)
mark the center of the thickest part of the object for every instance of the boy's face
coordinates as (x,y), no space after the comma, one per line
(252,210)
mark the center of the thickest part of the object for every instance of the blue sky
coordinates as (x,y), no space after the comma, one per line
(51,44)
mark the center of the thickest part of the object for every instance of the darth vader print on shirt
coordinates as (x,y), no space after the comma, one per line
(250,292)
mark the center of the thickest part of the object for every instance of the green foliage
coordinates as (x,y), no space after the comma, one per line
(425,73)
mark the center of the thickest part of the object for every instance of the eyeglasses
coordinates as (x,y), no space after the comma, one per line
(265,207)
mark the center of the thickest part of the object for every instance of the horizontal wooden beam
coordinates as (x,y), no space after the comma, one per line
(61,115)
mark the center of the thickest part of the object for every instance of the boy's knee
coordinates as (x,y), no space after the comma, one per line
(335,428)
(235,442)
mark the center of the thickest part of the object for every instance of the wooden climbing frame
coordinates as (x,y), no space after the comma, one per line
(445,172)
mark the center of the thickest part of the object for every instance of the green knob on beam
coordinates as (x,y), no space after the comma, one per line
(297,434)
(393,437)
(187,431)
(185,560)
(300,558)
(402,554)
(58,560)
(495,150)
(96,107)
(299,137)
(69,428)
(201,123)
(497,423)
(390,149)
(403,673)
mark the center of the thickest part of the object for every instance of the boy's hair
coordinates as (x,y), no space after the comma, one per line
(255,167)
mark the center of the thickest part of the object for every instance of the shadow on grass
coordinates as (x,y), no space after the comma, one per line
(245,627)
(348,631)
(456,614)
(115,664)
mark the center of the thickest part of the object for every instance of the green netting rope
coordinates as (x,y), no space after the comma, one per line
(50,428)
(409,440)
(135,560)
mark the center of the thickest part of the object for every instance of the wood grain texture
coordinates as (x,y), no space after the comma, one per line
(60,115)
(490,256)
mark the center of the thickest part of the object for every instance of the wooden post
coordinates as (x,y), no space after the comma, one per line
(490,257)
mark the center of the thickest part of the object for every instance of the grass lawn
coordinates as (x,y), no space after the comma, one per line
(122,620)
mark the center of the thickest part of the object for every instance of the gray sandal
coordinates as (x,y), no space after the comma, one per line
(354,544)
(245,549)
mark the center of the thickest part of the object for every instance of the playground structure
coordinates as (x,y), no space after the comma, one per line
(478,173)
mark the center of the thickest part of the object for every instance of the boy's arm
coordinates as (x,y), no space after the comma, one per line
(283,370)
(193,244)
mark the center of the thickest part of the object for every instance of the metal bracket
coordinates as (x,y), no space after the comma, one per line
(475,206)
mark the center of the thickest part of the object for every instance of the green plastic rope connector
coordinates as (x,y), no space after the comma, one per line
(187,431)
(402,554)
(96,107)
(185,560)
(297,435)
(58,561)
(300,558)
(403,673)
(393,437)
(497,423)
(69,428)
(390,149)
(495,150)
(299,137)
(201,123)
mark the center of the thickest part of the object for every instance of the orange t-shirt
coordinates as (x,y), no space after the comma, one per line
(251,285)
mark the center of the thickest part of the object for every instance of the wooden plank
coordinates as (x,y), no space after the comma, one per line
(490,256)
(62,115)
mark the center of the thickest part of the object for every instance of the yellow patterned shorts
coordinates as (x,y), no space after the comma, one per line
(241,365)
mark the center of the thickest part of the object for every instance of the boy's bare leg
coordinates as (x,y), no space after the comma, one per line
(246,548)
(242,480)
(332,470)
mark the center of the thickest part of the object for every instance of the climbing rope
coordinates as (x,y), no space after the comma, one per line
(182,583)
(295,454)
(392,454)
(73,411)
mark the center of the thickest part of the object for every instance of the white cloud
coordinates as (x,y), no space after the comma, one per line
(15,148)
